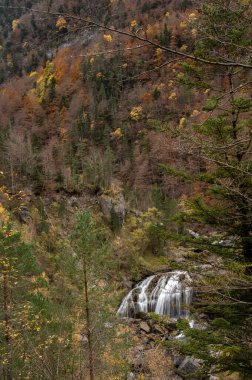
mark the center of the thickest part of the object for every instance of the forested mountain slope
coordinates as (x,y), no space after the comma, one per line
(125,134)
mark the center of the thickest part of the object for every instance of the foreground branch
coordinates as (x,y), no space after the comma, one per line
(134,36)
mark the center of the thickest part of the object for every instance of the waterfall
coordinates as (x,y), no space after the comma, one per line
(167,294)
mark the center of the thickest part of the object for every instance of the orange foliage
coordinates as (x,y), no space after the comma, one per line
(146,97)
(61,64)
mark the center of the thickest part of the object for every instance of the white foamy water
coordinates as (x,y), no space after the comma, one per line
(167,294)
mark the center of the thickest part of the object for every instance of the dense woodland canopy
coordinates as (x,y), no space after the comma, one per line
(125,152)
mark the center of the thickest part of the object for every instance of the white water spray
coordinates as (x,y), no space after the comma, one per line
(168,294)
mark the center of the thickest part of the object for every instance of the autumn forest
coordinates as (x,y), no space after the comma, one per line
(125,190)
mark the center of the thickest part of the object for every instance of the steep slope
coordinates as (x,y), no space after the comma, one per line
(108,148)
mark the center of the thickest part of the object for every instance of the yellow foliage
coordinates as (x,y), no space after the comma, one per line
(173,96)
(33,74)
(159,52)
(182,122)
(61,23)
(158,56)
(149,29)
(15,24)
(45,80)
(110,359)
(135,234)
(117,133)
(34,279)
(192,16)
(140,376)
(99,75)
(194,32)
(183,47)
(183,24)
(136,113)
(91,61)
(195,113)
(40,79)
(167,14)
(133,24)
(107,38)
(180,75)
(4,217)
(44,276)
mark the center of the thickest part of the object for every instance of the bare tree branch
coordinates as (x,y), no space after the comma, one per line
(135,36)
(225,164)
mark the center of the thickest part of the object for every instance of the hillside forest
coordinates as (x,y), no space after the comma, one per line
(125,190)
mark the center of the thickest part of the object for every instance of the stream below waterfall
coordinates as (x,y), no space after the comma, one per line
(166,294)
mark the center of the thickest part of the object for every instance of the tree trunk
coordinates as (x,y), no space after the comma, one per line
(7,326)
(88,320)
(247,249)
(246,237)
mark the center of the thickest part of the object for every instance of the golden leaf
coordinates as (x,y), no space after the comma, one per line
(107,38)
(61,23)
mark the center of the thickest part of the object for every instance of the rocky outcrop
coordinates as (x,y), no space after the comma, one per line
(188,368)
(114,209)
(24,214)
(148,360)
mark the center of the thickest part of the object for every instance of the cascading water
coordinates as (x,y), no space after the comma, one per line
(166,294)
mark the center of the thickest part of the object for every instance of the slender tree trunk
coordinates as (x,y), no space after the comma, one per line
(234,120)
(247,248)
(12,175)
(246,241)
(245,235)
(7,324)
(88,320)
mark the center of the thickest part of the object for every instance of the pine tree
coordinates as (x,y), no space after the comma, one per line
(222,142)
(18,265)
(99,343)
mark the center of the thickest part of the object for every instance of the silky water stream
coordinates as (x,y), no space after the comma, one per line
(166,294)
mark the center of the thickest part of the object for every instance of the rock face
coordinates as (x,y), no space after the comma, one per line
(114,209)
(188,367)
(24,214)
(148,360)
